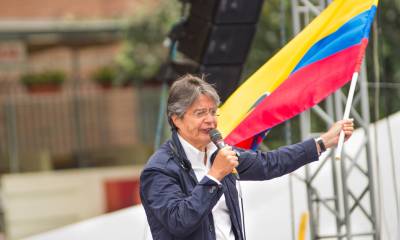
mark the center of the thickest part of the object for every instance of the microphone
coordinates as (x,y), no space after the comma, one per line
(216,138)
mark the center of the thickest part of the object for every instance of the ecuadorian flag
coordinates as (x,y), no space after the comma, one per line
(318,61)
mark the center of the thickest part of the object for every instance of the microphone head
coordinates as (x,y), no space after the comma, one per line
(215,135)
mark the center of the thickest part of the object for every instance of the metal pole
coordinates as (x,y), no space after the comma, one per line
(164,93)
(12,135)
(365,112)
(343,176)
(288,133)
(80,139)
(161,114)
(335,178)
(305,129)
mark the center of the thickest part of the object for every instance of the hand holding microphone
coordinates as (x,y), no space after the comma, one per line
(226,159)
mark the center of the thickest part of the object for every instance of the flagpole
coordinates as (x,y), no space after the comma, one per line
(346,114)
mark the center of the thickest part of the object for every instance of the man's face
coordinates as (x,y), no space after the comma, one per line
(197,121)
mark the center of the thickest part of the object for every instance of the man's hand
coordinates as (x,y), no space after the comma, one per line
(331,137)
(225,161)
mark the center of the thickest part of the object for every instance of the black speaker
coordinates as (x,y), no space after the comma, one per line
(172,70)
(216,44)
(225,78)
(217,35)
(227,11)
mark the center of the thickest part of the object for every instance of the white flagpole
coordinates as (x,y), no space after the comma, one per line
(346,114)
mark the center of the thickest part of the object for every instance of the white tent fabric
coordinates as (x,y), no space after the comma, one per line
(267,204)
(129,223)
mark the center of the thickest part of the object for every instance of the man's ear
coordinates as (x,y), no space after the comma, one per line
(176,120)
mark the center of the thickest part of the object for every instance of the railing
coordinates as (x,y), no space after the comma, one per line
(80,128)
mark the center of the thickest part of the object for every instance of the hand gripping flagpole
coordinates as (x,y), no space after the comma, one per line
(347,114)
(350,97)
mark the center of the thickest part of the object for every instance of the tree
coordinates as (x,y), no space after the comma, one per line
(143,50)
(389,35)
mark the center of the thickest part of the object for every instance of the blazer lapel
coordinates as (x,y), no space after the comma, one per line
(232,202)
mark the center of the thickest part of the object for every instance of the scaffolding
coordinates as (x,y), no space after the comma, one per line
(344,202)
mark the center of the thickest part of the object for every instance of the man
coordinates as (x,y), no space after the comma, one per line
(187,187)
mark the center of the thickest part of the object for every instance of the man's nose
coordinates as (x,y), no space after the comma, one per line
(210,119)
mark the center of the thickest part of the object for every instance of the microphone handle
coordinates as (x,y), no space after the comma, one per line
(235,173)
(221,144)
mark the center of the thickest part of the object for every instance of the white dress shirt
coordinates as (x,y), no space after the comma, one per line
(220,212)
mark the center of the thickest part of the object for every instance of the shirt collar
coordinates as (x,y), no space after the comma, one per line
(195,156)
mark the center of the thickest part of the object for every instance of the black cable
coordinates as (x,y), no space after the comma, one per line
(173,36)
(244,227)
(241,205)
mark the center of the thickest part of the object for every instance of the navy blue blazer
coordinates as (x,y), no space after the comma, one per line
(179,207)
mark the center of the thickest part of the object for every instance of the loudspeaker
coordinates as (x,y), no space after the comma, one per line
(172,70)
(217,35)
(216,44)
(227,11)
(225,78)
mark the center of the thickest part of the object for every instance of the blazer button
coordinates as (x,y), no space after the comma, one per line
(211,228)
(212,189)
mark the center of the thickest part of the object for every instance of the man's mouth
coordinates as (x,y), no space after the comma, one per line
(206,130)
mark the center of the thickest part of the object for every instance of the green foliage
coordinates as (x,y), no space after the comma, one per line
(105,76)
(389,35)
(49,77)
(267,40)
(143,51)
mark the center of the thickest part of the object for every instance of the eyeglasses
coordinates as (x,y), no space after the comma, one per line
(201,113)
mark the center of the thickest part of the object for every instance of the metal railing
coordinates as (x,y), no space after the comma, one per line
(74,125)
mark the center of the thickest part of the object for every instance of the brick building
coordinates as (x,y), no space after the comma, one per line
(80,35)
(70,9)
(76,37)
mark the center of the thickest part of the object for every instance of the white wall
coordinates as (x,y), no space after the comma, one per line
(38,202)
